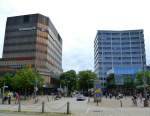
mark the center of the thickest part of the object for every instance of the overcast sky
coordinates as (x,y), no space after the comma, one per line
(77,21)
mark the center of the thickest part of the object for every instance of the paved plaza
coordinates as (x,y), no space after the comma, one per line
(108,107)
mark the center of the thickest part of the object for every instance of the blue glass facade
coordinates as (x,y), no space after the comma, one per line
(123,72)
(119,50)
(126,70)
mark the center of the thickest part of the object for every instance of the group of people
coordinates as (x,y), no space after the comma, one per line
(138,99)
(116,95)
(8,97)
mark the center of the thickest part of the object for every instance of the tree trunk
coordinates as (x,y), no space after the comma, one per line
(25,95)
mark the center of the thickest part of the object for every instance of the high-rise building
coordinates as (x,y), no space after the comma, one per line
(32,40)
(119,52)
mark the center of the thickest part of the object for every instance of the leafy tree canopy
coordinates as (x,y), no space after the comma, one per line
(128,82)
(69,79)
(141,77)
(86,79)
(25,78)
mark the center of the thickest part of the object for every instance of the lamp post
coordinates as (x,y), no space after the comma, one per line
(145,92)
(144,82)
(88,82)
(68,92)
(35,88)
(3,92)
(44,89)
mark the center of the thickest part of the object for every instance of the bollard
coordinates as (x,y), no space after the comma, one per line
(43,105)
(9,100)
(2,100)
(19,107)
(97,102)
(68,108)
(120,103)
(47,98)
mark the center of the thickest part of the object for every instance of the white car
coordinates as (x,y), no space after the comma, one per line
(80,97)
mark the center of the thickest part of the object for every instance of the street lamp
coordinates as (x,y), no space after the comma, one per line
(35,91)
(88,82)
(44,87)
(35,88)
(145,92)
(144,82)
(4,86)
(91,80)
(68,82)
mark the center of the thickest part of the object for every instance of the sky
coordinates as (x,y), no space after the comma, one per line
(77,22)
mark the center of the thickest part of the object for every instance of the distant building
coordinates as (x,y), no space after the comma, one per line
(32,40)
(119,52)
(148,68)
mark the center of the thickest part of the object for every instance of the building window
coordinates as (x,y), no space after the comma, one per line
(26,19)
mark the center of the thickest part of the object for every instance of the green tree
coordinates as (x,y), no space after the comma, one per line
(1,82)
(25,80)
(86,79)
(111,81)
(128,82)
(141,77)
(7,80)
(69,79)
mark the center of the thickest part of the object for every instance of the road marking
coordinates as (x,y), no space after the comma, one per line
(87,110)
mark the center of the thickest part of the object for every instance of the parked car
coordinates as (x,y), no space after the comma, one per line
(80,97)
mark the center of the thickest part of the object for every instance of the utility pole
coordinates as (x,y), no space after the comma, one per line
(35,86)
(144,82)
(35,89)
(3,93)
(145,92)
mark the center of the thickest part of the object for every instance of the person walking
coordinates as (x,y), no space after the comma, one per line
(17,98)
(9,97)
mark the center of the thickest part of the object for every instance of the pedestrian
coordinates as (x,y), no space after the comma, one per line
(134,99)
(17,98)
(97,100)
(106,94)
(9,97)
(140,97)
(115,94)
(110,95)
(5,97)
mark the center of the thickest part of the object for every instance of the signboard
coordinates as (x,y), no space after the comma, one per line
(27,28)
(98,92)
(5,86)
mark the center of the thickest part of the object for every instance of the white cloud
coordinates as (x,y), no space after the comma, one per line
(78,20)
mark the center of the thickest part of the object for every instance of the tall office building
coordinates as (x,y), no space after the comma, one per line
(119,52)
(32,40)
